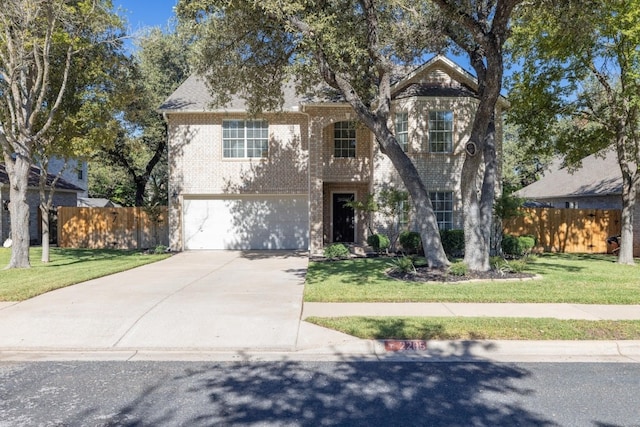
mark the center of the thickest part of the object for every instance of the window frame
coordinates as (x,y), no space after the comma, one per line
(245,140)
(344,144)
(401,127)
(442,202)
(440,135)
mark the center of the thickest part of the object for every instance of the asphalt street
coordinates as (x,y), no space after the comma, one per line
(318,394)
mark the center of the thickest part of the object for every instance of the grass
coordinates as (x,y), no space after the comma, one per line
(565,278)
(468,328)
(67,267)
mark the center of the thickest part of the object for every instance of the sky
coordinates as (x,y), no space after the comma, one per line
(145,13)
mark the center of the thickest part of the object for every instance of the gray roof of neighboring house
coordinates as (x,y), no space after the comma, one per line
(96,202)
(34,180)
(598,176)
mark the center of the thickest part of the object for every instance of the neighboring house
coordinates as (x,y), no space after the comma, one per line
(73,171)
(597,184)
(66,194)
(280,180)
(96,202)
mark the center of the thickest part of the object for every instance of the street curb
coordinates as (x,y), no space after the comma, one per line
(362,351)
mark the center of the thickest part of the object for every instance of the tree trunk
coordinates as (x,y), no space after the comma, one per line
(19,211)
(426,219)
(45,234)
(629,195)
(476,246)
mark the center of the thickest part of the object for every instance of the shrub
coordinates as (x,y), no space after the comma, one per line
(458,269)
(517,245)
(411,241)
(160,249)
(518,265)
(336,250)
(453,242)
(403,265)
(503,266)
(379,242)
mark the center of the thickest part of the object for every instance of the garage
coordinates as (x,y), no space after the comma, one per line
(246,222)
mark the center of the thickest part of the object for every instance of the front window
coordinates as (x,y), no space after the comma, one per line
(403,213)
(245,138)
(402,129)
(344,137)
(442,202)
(441,131)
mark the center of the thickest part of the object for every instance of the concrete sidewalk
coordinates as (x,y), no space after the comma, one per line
(557,311)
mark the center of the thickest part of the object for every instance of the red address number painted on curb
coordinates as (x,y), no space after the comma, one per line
(402,345)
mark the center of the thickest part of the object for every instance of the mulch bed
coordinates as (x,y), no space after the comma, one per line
(426,274)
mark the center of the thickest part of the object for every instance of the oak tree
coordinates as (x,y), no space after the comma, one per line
(251,48)
(579,89)
(39,39)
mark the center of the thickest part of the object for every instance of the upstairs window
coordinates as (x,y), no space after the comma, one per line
(344,137)
(402,129)
(442,202)
(441,131)
(245,138)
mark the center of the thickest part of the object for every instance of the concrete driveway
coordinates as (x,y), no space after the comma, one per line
(208,300)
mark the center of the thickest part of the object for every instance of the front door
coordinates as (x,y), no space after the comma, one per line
(343,218)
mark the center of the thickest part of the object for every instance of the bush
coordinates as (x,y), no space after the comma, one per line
(453,242)
(403,265)
(411,241)
(458,269)
(336,250)
(517,245)
(378,242)
(160,249)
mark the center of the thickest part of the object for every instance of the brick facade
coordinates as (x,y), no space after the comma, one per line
(301,158)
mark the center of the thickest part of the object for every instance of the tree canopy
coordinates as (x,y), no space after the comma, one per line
(39,42)
(579,89)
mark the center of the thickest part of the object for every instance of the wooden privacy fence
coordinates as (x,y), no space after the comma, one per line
(567,230)
(117,228)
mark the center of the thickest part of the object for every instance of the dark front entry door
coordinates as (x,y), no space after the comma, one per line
(343,218)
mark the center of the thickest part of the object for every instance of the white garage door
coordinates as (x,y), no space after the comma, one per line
(277,222)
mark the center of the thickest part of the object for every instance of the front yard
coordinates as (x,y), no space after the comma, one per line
(564,278)
(67,267)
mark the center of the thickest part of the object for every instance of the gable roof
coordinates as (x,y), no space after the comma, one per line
(34,180)
(599,175)
(193,95)
(425,81)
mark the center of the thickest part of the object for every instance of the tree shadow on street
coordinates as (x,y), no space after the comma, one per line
(354,393)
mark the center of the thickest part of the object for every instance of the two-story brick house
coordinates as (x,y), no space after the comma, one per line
(280,180)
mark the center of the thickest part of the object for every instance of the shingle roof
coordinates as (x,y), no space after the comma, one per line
(34,179)
(193,95)
(598,176)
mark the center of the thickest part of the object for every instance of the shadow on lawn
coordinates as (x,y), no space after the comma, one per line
(563,262)
(360,271)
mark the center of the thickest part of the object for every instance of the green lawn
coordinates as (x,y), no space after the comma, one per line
(467,328)
(67,267)
(565,278)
